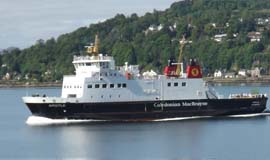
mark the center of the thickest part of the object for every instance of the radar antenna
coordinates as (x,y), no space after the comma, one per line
(93,48)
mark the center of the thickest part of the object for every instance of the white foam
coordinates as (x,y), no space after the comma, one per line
(37,121)
(201,117)
(181,118)
(249,115)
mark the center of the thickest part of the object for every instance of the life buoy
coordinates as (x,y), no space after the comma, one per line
(195,72)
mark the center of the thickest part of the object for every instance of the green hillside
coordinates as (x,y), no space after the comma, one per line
(152,39)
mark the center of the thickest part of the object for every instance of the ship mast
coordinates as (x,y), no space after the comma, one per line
(93,49)
(180,68)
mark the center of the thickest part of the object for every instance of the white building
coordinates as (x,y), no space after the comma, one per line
(242,72)
(219,37)
(230,75)
(218,74)
(256,72)
(254,36)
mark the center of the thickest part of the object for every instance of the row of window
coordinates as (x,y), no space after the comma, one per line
(175,84)
(119,85)
(101,64)
(122,85)
(73,86)
(110,96)
(109,74)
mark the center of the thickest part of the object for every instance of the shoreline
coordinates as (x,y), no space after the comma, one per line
(210,80)
(16,84)
(238,81)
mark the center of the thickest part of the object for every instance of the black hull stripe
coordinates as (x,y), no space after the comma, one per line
(153,110)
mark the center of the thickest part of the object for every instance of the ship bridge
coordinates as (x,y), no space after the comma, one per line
(90,65)
(87,68)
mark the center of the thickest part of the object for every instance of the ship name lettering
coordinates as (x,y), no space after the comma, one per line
(185,104)
(57,105)
(194,104)
(167,104)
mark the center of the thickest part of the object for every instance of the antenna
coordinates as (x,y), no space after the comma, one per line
(93,48)
(179,67)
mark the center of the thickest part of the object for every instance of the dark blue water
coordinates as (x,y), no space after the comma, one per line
(246,138)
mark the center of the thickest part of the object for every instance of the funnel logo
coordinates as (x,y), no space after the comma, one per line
(195,72)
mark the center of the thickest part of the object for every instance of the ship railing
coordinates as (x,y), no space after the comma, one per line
(80,58)
(246,95)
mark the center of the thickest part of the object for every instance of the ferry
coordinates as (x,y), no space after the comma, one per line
(101,91)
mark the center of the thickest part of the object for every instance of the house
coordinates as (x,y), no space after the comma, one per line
(153,28)
(219,37)
(230,75)
(218,74)
(256,72)
(262,21)
(242,73)
(7,77)
(254,36)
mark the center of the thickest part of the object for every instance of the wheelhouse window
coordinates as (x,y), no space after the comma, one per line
(89,86)
(72,95)
(119,85)
(96,85)
(88,64)
(184,84)
(175,84)
(169,84)
(104,65)
(111,85)
(104,85)
(124,85)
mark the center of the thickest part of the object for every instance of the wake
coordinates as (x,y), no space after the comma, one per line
(39,121)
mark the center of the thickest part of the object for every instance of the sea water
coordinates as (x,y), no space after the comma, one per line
(208,138)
